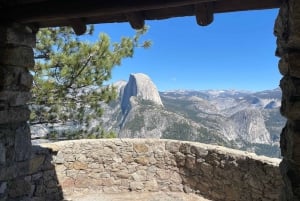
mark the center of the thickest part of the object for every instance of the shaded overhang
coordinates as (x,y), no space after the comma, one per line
(78,13)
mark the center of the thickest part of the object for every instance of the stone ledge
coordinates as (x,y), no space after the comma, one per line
(152,165)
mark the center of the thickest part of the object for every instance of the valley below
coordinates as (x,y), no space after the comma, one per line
(243,120)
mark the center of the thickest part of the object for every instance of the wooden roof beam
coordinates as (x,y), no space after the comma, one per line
(136,20)
(204,13)
(60,10)
(78,26)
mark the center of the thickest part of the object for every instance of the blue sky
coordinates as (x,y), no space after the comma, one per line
(237,51)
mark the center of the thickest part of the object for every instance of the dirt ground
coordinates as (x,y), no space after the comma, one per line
(157,196)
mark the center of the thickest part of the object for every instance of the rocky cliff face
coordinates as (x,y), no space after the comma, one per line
(248,125)
(139,86)
(247,120)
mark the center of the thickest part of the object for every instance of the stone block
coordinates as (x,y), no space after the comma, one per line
(176,188)
(26,80)
(15,98)
(2,154)
(294,12)
(180,159)
(37,176)
(201,152)
(8,172)
(17,34)
(283,66)
(60,158)
(14,115)
(281,25)
(142,160)
(68,183)
(60,169)
(175,178)
(110,189)
(151,186)
(289,64)
(51,184)
(290,105)
(3,187)
(163,174)
(173,146)
(136,186)
(190,162)
(140,175)
(122,174)
(17,56)
(15,79)
(185,148)
(77,165)
(23,143)
(140,148)
(35,164)
(18,188)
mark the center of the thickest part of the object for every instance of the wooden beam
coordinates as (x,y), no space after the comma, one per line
(245,5)
(204,13)
(78,26)
(136,20)
(59,10)
(38,14)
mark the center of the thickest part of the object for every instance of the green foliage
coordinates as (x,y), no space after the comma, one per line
(185,108)
(70,73)
(53,135)
(186,132)
(178,131)
(263,149)
(136,124)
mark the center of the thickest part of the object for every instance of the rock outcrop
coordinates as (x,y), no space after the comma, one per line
(120,85)
(249,126)
(140,86)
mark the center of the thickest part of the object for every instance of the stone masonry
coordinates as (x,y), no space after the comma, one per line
(152,165)
(287,31)
(16,160)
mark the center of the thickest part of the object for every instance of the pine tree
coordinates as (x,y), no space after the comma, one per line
(70,73)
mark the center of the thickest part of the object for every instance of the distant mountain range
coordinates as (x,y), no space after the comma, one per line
(238,119)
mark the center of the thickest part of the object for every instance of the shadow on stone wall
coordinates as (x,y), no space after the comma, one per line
(26,171)
(33,179)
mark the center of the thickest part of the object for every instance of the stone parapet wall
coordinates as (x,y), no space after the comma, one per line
(151,165)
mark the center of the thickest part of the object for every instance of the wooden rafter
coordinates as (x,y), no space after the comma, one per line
(204,13)
(78,26)
(136,20)
(58,10)
(77,13)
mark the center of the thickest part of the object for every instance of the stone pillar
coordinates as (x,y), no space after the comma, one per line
(287,31)
(16,58)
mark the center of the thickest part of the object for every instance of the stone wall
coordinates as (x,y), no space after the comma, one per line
(16,162)
(148,165)
(287,31)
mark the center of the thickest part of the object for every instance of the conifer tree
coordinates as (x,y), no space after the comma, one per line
(70,73)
